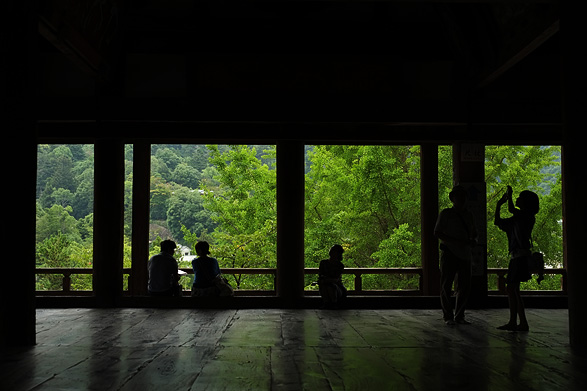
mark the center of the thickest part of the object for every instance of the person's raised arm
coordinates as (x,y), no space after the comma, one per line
(505,198)
(511,207)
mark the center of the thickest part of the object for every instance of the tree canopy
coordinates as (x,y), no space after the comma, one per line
(364,197)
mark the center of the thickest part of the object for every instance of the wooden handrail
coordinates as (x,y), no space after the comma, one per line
(357,272)
(501,279)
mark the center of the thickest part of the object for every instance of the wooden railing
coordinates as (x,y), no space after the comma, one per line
(501,282)
(359,272)
(66,272)
(357,289)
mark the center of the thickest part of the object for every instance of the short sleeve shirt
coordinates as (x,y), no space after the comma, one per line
(458,224)
(162,272)
(519,231)
(205,270)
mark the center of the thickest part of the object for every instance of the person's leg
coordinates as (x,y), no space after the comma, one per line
(328,293)
(511,288)
(523,326)
(447,275)
(463,290)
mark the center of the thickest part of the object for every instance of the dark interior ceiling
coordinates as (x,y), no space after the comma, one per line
(342,61)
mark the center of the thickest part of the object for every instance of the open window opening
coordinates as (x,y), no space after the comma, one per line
(222,194)
(536,168)
(64,219)
(367,199)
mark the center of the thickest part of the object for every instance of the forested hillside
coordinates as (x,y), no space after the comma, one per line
(365,197)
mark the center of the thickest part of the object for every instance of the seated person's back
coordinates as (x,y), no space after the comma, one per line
(163,275)
(205,271)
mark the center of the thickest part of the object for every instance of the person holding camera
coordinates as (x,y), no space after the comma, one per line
(518,229)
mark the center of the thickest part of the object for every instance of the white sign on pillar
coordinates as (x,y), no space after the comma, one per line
(472,152)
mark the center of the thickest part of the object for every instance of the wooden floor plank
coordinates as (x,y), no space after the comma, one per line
(297,368)
(287,349)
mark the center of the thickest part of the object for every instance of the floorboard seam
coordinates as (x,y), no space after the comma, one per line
(141,367)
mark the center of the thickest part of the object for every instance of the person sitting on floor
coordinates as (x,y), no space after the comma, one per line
(206,270)
(330,283)
(163,273)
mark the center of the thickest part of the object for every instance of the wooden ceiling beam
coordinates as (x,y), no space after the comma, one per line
(519,43)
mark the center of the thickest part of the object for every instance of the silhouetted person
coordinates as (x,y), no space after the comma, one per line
(519,232)
(163,275)
(455,227)
(330,284)
(206,270)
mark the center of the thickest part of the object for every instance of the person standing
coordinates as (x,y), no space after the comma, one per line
(455,228)
(163,274)
(518,229)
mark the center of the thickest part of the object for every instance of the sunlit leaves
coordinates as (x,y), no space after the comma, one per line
(361,196)
(535,168)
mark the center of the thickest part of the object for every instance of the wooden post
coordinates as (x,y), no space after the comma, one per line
(19,158)
(573,169)
(290,222)
(140,218)
(430,285)
(469,170)
(108,220)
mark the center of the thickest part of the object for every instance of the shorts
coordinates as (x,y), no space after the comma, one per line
(518,270)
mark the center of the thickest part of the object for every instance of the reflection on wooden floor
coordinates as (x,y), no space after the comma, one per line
(272,349)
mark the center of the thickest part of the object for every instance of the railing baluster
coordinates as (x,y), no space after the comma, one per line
(67,282)
(358,282)
(357,272)
(501,283)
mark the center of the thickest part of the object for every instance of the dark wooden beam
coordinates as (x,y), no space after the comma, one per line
(519,31)
(85,31)
(267,132)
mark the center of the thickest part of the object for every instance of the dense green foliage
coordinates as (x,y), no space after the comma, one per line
(366,198)
(532,168)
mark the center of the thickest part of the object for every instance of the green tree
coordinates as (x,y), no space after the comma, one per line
(169,156)
(186,175)
(244,207)
(83,199)
(366,198)
(60,164)
(160,195)
(186,208)
(60,250)
(535,168)
(56,220)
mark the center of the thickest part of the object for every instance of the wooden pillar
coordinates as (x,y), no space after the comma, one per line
(108,220)
(290,222)
(469,171)
(574,166)
(140,217)
(18,158)
(429,214)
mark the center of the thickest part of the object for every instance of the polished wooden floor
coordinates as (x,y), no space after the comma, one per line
(307,349)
